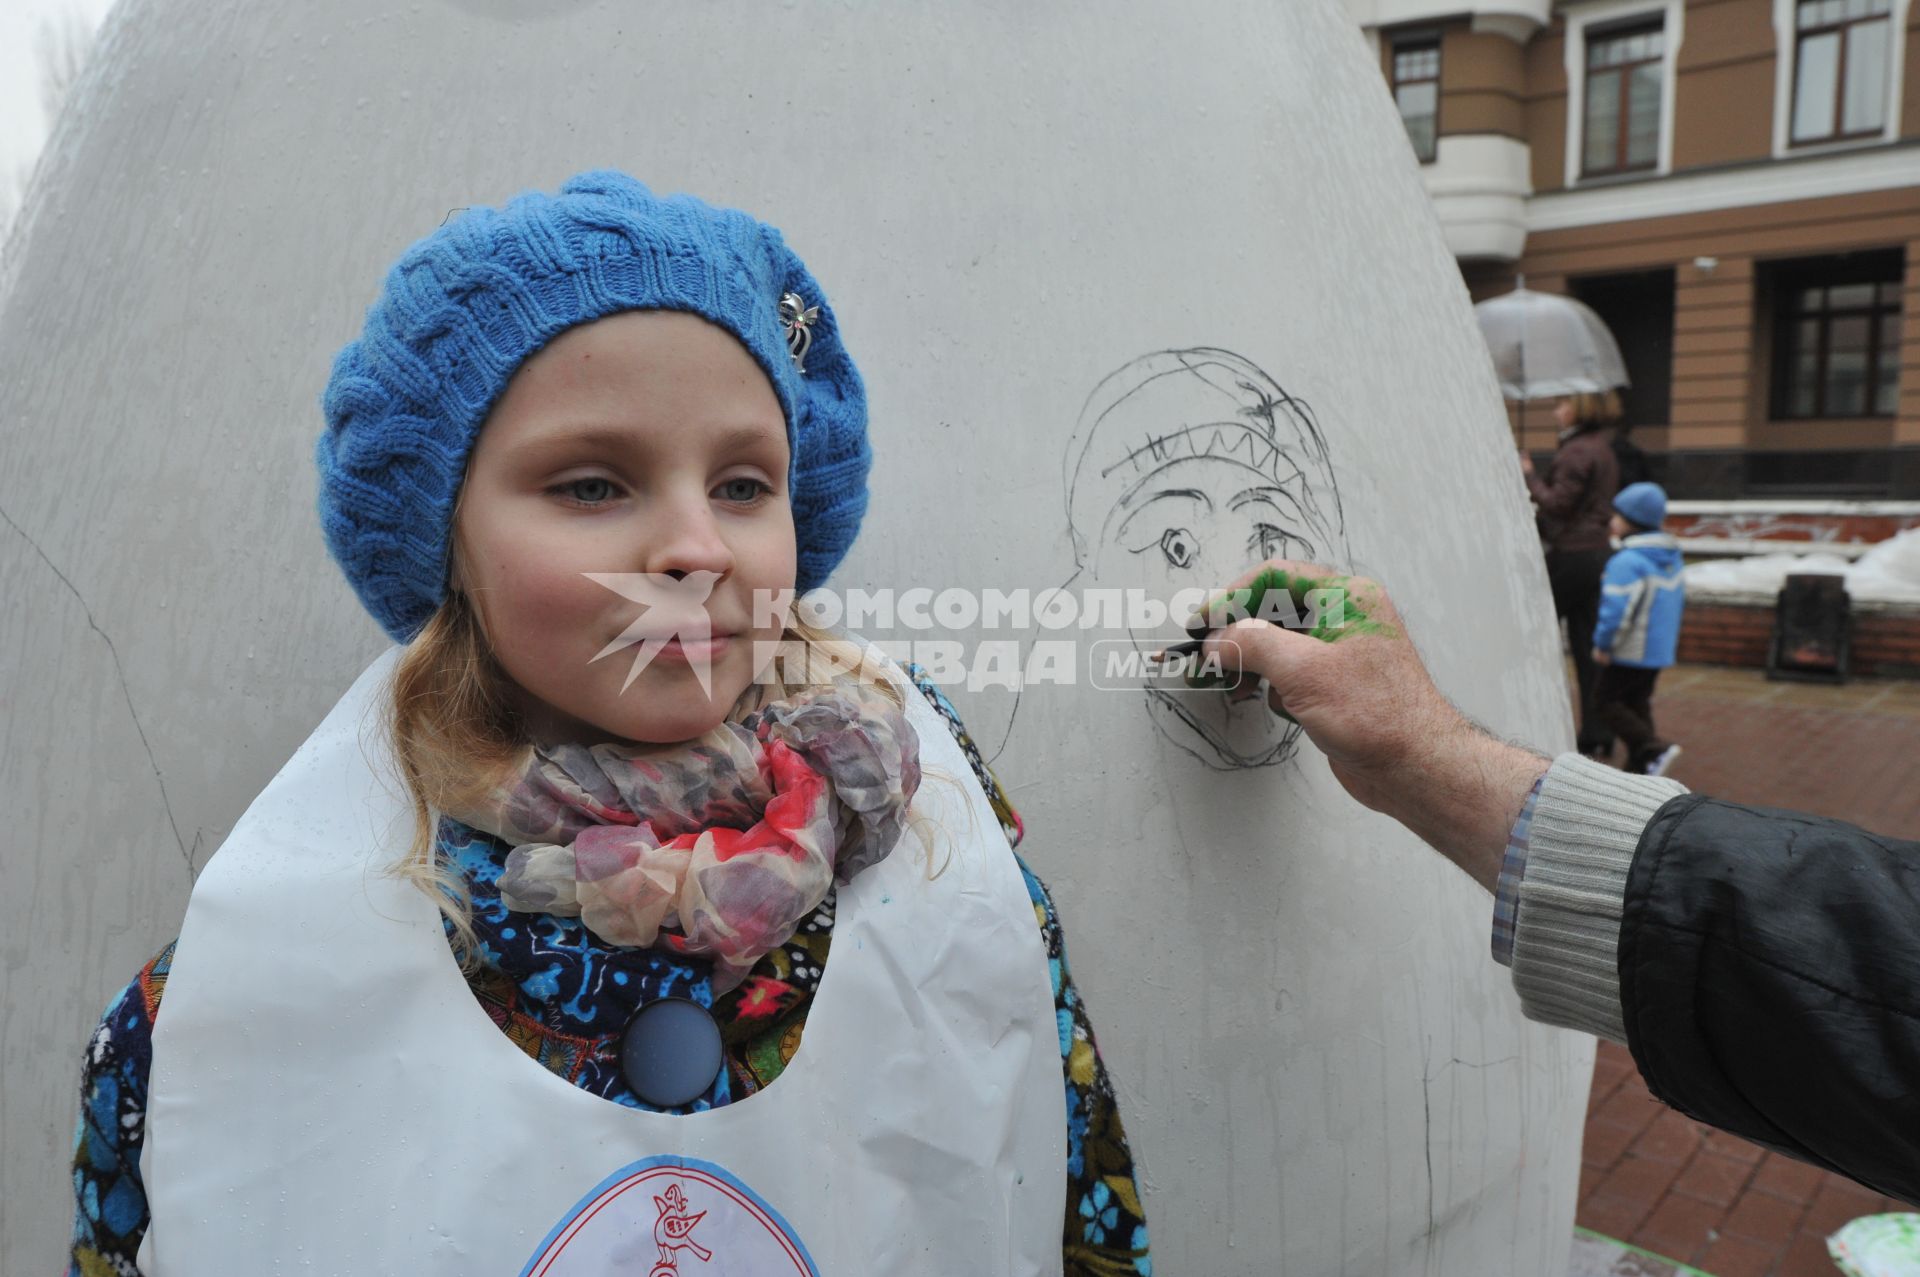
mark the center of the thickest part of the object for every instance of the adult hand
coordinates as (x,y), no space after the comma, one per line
(1602,657)
(1356,685)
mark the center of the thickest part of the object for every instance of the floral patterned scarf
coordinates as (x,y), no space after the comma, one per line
(718,846)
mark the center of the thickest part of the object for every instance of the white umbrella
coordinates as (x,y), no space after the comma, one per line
(1545,345)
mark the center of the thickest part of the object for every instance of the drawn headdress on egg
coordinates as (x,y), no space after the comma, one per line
(1204,402)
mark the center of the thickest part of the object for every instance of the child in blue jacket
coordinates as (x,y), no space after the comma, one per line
(1642,596)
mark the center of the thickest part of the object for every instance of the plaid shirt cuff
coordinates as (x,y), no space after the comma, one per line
(1513,870)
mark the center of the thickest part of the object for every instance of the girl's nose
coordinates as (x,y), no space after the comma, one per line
(684,537)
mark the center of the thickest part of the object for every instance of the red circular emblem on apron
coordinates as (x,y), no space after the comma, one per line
(667,1216)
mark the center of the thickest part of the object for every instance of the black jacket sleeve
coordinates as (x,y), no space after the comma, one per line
(1770,981)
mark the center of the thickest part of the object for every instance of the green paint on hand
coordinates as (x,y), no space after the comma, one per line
(1276,595)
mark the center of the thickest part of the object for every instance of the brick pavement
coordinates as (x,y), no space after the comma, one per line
(1650,1176)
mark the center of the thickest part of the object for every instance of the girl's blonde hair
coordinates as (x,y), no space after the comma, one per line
(455,730)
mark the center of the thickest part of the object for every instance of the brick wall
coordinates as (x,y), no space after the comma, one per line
(1888,644)
(1716,634)
(1794,527)
(1885,643)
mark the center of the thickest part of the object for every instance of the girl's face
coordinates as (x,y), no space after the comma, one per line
(647,446)
(1563,413)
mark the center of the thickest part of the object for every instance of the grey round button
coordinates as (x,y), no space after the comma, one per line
(670,1052)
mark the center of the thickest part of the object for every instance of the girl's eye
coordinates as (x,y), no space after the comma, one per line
(589,491)
(743,490)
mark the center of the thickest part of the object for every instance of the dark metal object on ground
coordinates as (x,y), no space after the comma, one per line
(1811,630)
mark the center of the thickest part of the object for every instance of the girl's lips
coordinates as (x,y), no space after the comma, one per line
(678,649)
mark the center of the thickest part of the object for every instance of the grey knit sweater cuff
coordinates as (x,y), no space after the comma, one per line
(1585,828)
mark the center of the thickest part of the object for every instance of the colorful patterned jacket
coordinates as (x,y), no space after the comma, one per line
(1104,1233)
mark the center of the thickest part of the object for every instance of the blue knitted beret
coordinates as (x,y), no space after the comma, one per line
(462,310)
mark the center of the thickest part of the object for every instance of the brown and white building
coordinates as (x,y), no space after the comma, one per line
(1734,185)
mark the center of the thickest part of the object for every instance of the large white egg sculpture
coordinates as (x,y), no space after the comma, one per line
(1107,269)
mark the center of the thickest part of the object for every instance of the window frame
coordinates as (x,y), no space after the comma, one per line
(1648,24)
(1787,73)
(1790,279)
(1408,42)
(1598,16)
(1800,37)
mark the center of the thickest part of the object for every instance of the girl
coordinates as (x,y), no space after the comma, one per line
(682,964)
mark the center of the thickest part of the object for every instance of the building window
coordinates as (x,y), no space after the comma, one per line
(1841,53)
(1621,123)
(1416,91)
(1837,344)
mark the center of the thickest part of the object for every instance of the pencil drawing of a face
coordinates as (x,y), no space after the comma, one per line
(1186,468)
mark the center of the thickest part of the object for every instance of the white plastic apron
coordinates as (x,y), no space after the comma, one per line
(328,1097)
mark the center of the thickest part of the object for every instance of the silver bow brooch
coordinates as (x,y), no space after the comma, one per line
(798,319)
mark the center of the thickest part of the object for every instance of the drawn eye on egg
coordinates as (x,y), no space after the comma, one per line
(1180,546)
(1270,542)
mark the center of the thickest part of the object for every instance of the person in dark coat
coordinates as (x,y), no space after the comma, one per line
(1763,966)
(1575,501)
